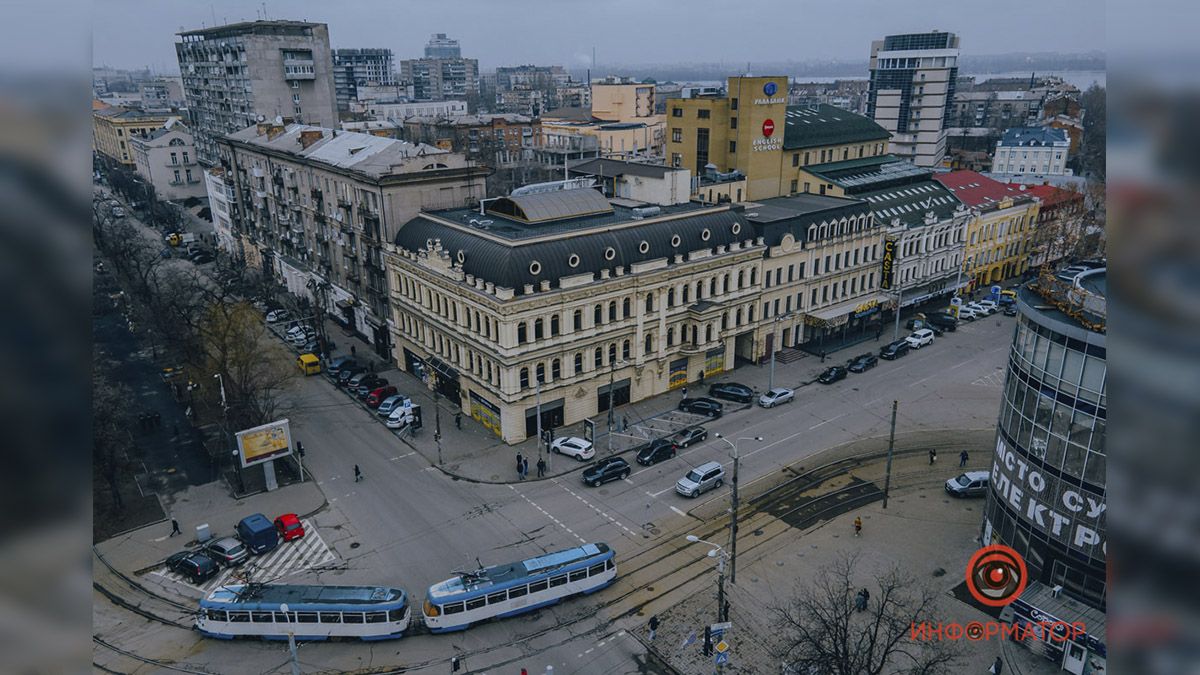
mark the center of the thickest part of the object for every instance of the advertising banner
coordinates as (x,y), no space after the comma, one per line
(264,443)
(889,260)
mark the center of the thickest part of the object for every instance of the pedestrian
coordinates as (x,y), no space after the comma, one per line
(455,664)
(624,422)
(353,351)
(962,459)
(458,420)
(822,356)
(524,468)
(932,456)
(857,525)
(866,597)
(878,332)
(541,467)
(997,667)
(175,527)
(653,626)
(357,474)
(520,466)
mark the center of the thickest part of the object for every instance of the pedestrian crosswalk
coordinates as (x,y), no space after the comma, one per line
(993,379)
(307,553)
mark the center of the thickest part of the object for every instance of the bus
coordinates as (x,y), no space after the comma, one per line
(514,588)
(272,612)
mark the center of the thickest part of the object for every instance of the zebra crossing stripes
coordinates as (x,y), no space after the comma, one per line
(287,559)
(993,379)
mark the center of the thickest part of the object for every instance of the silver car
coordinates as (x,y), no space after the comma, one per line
(391,403)
(227,551)
(969,484)
(701,479)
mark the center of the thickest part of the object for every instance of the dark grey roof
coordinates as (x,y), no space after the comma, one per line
(911,202)
(614,167)
(867,173)
(773,218)
(570,113)
(810,127)
(547,206)
(504,253)
(1033,136)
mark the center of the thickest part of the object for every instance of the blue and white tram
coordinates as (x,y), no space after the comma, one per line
(308,612)
(515,588)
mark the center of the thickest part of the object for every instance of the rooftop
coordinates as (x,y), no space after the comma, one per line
(910,203)
(614,167)
(266,27)
(978,191)
(783,208)
(810,127)
(373,155)
(1076,309)
(1049,194)
(499,574)
(1033,137)
(470,120)
(297,596)
(572,114)
(867,172)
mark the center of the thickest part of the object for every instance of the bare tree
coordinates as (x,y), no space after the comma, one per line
(111,421)
(822,631)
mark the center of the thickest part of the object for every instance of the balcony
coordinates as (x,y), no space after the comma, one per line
(298,69)
(344,202)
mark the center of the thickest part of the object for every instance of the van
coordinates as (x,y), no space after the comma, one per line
(701,479)
(969,484)
(309,364)
(258,533)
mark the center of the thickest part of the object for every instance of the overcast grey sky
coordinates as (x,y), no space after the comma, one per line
(134,33)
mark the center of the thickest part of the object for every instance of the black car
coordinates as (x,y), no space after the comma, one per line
(369,384)
(193,565)
(685,437)
(894,350)
(702,406)
(862,363)
(731,391)
(918,324)
(943,321)
(345,374)
(613,468)
(658,450)
(832,374)
(1010,310)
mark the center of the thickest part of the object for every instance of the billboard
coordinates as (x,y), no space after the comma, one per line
(889,260)
(265,443)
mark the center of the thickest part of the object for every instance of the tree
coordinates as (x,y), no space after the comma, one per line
(1093,146)
(821,630)
(111,421)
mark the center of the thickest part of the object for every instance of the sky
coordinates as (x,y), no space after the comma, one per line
(137,33)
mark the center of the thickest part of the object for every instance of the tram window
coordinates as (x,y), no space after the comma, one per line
(558,581)
(376,617)
(476,603)
(610,564)
(217,615)
(331,617)
(494,598)
(281,617)
(262,617)
(306,617)
(539,586)
(596,569)
(517,592)
(452,608)
(352,617)
(239,617)
(393,615)
(578,574)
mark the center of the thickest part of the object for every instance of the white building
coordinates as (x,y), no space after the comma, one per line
(166,158)
(647,183)
(398,111)
(912,92)
(1033,150)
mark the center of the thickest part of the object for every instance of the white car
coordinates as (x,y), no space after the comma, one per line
(776,396)
(277,315)
(990,306)
(920,338)
(966,313)
(391,404)
(981,310)
(572,446)
(303,336)
(399,418)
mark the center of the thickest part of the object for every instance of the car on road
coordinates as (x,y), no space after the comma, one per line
(732,391)
(894,350)
(685,437)
(701,479)
(832,374)
(990,305)
(862,363)
(613,468)
(227,550)
(702,406)
(573,446)
(656,451)
(194,565)
(969,484)
(278,315)
(377,397)
(289,527)
(775,396)
(257,533)
(1010,310)
(945,322)
(920,338)
(387,405)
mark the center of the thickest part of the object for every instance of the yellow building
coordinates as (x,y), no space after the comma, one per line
(113,127)
(753,130)
(616,100)
(621,119)
(999,233)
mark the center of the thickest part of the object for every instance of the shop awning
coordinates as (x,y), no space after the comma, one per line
(864,304)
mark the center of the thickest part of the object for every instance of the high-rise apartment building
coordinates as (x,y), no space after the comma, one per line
(442,47)
(236,73)
(912,92)
(443,73)
(352,67)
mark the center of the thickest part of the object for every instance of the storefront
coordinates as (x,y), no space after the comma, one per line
(552,417)
(619,392)
(1065,632)
(486,413)
(843,325)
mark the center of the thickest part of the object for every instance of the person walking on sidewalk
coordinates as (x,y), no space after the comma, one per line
(524,468)
(962,459)
(653,626)
(175,527)
(997,667)
(541,467)
(857,525)
(458,420)
(932,456)
(357,474)
(520,466)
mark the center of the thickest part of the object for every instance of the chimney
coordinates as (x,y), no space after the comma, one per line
(274,130)
(307,138)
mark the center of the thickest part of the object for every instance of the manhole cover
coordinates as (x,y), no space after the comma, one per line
(655,531)
(939,572)
(355,544)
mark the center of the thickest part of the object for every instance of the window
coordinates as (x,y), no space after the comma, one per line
(625,349)
(733,104)
(174,158)
(578,363)
(796,160)
(541,372)
(732,146)
(578,575)
(626,308)
(676,159)
(357,617)
(301,617)
(612,310)
(537,329)
(494,598)
(556,369)
(554,328)
(539,586)
(189,174)
(676,135)
(598,315)
(703,114)
(522,333)
(676,112)
(331,617)
(452,608)
(519,591)
(558,581)
(599,360)
(795,186)
(578,319)
(649,302)
(732,122)
(476,603)
(524,378)
(376,617)
(671,336)
(649,344)
(612,353)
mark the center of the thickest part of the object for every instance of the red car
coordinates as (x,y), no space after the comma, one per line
(289,527)
(376,397)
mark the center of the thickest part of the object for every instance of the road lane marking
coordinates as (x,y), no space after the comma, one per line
(922,380)
(818,424)
(656,494)
(679,512)
(556,521)
(599,511)
(410,454)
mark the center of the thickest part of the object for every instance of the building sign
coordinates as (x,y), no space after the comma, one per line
(264,443)
(1069,514)
(767,144)
(678,374)
(770,88)
(486,413)
(889,260)
(714,362)
(770,101)
(866,309)
(768,127)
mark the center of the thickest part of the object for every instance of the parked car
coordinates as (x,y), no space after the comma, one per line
(257,533)
(920,338)
(369,384)
(573,446)
(194,565)
(702,406)
(613,468)
(990,305)
(387,405)
(967,314)
(227,550)
(656,451)
(942,321)
(1010,310)
(979,309)
(862,363)
(776,396)
(289,527)
(969,484)
(347,374)
(375,398)
(894,350)
(685,437)
(337,364)
(358,378)
(701,479)
(400,417)
(832,374)
(731,391)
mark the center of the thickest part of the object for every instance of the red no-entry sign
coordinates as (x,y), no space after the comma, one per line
(768,128)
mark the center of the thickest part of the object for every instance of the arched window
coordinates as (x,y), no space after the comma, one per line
(724,322)
(712,287)
(686,292)
(670,297)
(751,313)
(725,283)
(556,369)
(554,328)
(612,310)
(524,378)
(541,373)
(578,319)
(599,315)
(625,350)
(649,346)
(738,320)
(578,362)
(522,333)
(699,290)
(649,302)
(537,329)
(626,308)
(671,336)
(599,361)
(612,353)
(708,334)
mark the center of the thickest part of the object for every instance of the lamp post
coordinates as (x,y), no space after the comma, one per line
(899,300)
(612,372)
(237,464)
(283,607)
(719,553)
(774,348)
(540,442)
(733,510)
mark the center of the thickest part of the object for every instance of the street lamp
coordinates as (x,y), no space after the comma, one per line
(774,348)
(612,372)
(733,511)
(719,553)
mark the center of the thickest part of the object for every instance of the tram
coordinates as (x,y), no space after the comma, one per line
(272,612)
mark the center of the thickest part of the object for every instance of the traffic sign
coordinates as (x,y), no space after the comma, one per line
(721,658)
(956,301)
(722,646)
(690,639)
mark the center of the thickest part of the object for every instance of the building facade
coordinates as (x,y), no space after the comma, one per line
(317,206)
(114,128)
(563,302)
(236,75)
(1033,150)
(399,111)
(352,66)
(1059,223)
(494,140)
(442,47)
(441,79)
(1000,230)
(647,183)
(166,158)
(164,94)
(913,77)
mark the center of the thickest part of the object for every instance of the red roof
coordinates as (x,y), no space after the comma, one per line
(975,189)
(1049,194)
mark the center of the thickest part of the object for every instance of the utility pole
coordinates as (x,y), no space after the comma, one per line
(437,422)
(887,481)
(540,442)
(722,615)
(899,299)
(733,505)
